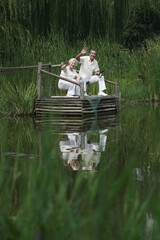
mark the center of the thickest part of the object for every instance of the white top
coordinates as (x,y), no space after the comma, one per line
(87,67)
(68,74)
(69,147)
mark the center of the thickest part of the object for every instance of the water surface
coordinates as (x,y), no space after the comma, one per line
(100,176)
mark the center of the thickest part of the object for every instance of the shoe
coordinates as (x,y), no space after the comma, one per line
(103,131)
(102,94)
(69,95)
(85,94)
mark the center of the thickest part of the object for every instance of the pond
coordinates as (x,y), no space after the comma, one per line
(99,178)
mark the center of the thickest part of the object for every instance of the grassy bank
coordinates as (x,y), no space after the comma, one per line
(136,72)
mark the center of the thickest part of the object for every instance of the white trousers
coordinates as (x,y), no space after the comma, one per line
(72,88)
(94,79)
(64,85)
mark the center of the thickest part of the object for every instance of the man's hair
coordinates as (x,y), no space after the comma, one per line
(93,50)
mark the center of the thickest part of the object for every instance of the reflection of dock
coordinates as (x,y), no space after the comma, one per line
(70,124)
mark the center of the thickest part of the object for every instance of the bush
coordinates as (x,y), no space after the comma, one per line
(141,25)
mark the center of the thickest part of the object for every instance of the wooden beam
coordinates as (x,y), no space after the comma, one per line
(60,77)
(39,82)
(0,78)
(81,90)
(5,69)
(50,69)
(110,82)
(116,89)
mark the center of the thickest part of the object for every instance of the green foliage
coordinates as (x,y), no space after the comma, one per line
(16,98)
(137,73)
(140,26)
(27,20)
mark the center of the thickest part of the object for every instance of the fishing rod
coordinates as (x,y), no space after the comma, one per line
(115,65)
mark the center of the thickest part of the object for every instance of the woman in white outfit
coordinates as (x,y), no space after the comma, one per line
(68,71)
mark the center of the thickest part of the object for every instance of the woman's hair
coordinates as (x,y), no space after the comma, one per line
(73,59)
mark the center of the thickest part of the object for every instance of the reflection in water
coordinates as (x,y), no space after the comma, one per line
(82,140)
(128,173)
(77,145)
(149,226)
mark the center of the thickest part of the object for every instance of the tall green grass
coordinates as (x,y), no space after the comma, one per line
(137,72)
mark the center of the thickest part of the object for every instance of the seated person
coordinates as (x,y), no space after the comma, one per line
(89,66)
(68,71)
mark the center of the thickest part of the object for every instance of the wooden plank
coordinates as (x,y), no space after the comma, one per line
(5,69)
(62,97)
(60,100)
(104,110)
(58,104)
(45,110)
(60,77)
(110,82)
(60,108)
(63,121)
(98,109)
(100,103)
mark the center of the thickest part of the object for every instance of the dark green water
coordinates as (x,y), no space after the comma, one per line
(107,171)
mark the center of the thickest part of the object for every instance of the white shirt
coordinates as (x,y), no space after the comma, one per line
(87,67)
(69,147)
(68,74)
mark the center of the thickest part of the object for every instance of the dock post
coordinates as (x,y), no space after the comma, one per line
(116,89)
(0,78)
(81,90)
(39,83)
(50,69)
(117,96)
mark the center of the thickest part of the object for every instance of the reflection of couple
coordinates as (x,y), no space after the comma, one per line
(77,145)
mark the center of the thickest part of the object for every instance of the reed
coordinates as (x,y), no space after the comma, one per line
(136,72)
(41,17)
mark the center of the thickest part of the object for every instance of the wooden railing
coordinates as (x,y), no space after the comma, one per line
(8,69)
(116,86)
(39,83)
(40,68)
(4,69)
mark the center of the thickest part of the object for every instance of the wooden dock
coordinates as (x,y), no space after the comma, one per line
(78,106)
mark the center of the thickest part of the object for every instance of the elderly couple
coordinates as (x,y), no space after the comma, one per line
(88,66)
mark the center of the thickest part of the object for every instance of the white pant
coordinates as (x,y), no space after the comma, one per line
(94,79)
(72,88)
(64,85)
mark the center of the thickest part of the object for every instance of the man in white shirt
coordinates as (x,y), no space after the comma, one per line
(89,66)
(91,153)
